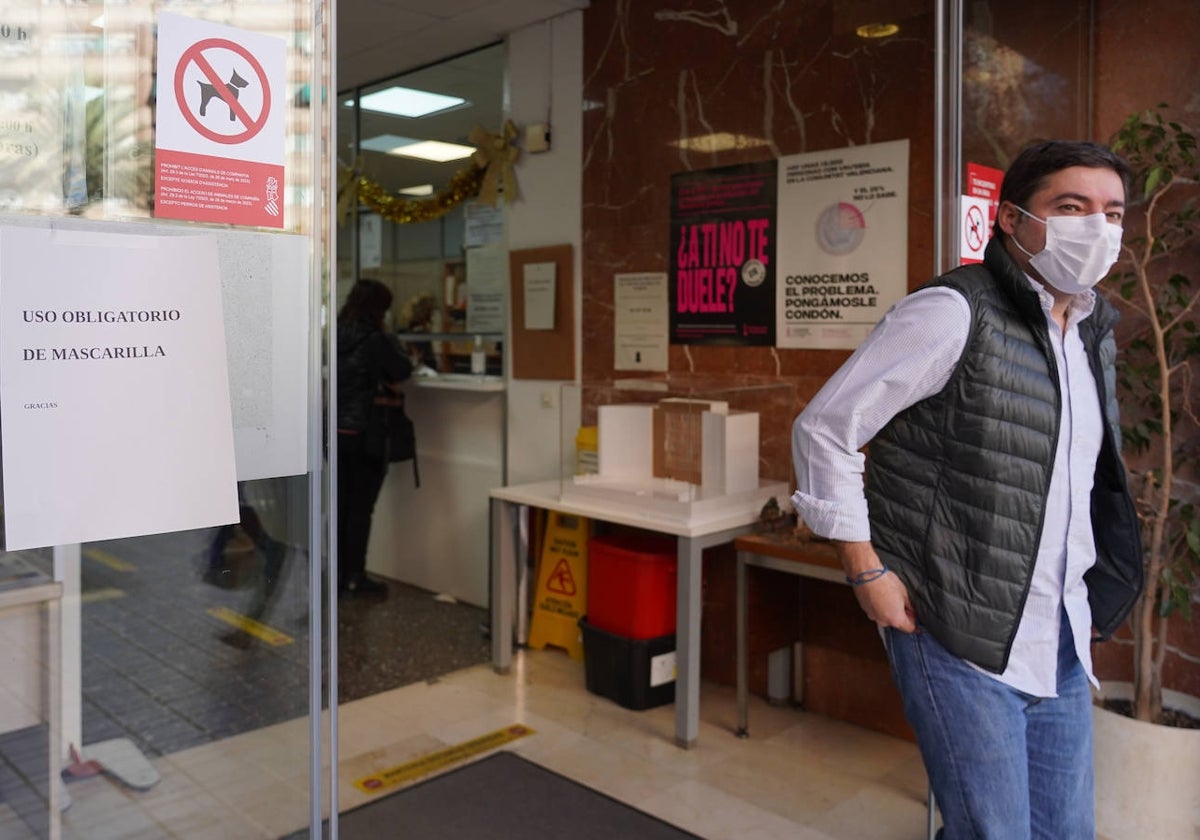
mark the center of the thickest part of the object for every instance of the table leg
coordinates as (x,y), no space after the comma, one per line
(690,561)
(503,561)
(742,688)
(520,536)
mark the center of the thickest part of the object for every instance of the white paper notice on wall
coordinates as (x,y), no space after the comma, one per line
(370,240)
(538,284)
(641,321)
(114,388)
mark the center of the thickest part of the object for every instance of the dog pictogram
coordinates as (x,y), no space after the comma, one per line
(247,115)
(209,91)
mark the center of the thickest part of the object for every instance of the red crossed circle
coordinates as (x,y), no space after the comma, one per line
(195,53)
(974,228)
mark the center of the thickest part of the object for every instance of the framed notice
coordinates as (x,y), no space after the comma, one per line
(543,353)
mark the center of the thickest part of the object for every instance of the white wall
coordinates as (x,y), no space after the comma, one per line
(545,83)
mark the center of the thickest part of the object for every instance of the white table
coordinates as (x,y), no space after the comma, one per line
(694,534)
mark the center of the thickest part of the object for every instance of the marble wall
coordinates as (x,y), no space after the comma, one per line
(777,78)
(781,78)
(785,77)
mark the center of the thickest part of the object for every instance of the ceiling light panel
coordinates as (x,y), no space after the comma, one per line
(434,150)
(409,102)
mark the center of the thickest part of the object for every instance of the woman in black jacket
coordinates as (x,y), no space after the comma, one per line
(368,359)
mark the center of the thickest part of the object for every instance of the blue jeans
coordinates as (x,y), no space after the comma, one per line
(1004,765)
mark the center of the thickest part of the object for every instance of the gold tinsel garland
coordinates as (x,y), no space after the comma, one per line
(463,186)
(489,175)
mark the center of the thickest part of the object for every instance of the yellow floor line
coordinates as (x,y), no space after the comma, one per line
(262,632)
(108,593)
(440,760)
(111,560)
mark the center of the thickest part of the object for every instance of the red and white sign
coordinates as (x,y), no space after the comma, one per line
(977,211)
(975,230)
(219,123)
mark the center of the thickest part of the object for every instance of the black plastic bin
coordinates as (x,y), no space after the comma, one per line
(622,669)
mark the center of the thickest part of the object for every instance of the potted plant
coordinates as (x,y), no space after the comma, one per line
(1159,296)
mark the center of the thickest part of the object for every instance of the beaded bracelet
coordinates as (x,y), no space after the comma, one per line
(867,576)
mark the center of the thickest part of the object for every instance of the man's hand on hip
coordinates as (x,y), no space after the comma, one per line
(883,598)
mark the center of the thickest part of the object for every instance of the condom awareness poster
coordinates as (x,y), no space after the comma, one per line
(842,249)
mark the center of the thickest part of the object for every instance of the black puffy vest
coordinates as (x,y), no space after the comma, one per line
(956,484)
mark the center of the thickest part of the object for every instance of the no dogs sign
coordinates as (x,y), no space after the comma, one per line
(220,124)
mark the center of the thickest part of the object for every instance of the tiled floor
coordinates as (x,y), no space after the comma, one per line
(222,716)
(160,668)
(800,776)
(163,669)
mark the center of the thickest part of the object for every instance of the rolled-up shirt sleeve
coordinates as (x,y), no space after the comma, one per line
(907,357)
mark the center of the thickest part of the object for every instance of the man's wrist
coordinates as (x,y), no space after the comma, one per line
(856,556)
(867,576)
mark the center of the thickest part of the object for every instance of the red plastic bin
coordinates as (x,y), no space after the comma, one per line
(631,585)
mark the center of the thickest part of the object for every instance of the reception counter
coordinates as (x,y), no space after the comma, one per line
(436,536)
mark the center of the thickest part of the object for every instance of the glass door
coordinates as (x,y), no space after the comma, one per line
(164,638)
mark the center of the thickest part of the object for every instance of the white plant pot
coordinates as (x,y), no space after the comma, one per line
(1147,779)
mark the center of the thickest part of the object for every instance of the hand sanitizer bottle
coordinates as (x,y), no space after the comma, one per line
(478,359)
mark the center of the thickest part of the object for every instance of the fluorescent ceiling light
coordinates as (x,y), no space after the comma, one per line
(407,102)
(434,150)
(722,141)
(422,189)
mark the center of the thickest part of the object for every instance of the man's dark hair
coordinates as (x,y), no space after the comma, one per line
(366,304)
(1035,163)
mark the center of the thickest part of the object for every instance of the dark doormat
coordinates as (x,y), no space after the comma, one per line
(501,797)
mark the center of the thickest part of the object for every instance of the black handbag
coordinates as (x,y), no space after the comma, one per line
(390,435)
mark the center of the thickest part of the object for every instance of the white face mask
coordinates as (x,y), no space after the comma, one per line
(1079,251)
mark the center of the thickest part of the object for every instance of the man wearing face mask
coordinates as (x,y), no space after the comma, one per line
(995,536)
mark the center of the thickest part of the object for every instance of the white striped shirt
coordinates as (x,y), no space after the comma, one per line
(910,356)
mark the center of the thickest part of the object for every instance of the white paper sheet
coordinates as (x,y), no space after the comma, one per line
(114,388)
(641,320)
(538,285)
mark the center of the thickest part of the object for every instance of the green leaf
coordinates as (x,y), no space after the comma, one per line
(1154,177)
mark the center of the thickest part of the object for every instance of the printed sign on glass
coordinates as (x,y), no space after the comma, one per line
(977,211)
(220,124)
(114,386)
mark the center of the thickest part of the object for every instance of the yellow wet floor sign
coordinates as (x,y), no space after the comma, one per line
(561,596)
